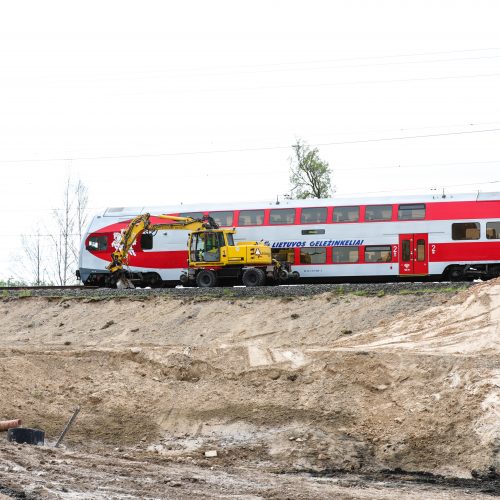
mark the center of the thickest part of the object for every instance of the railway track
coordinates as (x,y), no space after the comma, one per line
(298,290)
(47,287)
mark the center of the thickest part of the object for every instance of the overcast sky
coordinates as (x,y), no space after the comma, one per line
(162,102)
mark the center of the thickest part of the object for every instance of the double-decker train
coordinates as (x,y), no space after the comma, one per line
(450,237)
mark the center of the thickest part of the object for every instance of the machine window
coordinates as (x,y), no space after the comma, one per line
(282,216)
(411,212)
(345,254)
(251,218)
(205,247)
(197,248)
(420,250)
(493,230)
(378,212)
(312,255)
(313,215)
(346,214)
(378,253)
(99,243)
(222,218)
(465,231)
(230,239)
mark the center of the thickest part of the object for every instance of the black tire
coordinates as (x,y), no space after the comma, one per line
(205,279)
(253,277)
(25,435)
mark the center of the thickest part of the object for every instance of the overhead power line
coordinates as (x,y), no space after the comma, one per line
(159,74)
(424,187)
(244,150)
(184,90)
(334,60)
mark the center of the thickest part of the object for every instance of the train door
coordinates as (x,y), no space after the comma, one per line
(413,251)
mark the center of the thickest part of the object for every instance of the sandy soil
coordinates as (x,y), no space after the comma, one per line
(301,397)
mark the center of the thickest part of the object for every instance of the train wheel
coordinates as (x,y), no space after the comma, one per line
(205,279)
(455,273)
(253,277)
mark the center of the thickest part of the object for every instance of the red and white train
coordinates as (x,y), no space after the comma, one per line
(340,239)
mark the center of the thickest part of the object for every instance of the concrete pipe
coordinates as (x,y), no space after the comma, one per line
(5,425)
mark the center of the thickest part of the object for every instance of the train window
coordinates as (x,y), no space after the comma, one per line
(312,255)
(222,218)
(465,231)
(282,216)
(313,215)
(378,212)
(378,253)
(411,212)
(193,215)
(99,243)
(251,218)
(147,241)
(284,254)
(405,251)
(420,250)
(493,230)
(346,214)
(345,254)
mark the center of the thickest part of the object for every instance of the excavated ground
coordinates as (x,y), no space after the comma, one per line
(320,396)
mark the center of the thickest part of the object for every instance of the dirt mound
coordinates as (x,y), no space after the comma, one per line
(469,324)
(330,382)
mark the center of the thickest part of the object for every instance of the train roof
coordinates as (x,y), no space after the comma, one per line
(310,202)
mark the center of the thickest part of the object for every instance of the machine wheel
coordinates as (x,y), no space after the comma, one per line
(253,277)
(205,279)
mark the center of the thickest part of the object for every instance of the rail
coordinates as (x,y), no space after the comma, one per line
(47,287)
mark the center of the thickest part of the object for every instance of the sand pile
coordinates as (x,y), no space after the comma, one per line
(469,324)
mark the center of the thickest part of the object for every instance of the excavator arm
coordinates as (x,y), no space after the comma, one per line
(142,223)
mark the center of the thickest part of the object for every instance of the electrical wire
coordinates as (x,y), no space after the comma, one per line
(241,150)
(329,61)
(423,187)
(159,74)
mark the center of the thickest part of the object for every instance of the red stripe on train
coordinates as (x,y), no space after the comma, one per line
(158,260)
(465,251)
(462,210)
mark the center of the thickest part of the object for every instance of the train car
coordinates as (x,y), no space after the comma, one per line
(452,237)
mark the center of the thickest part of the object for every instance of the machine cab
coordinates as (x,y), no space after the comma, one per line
(209,246)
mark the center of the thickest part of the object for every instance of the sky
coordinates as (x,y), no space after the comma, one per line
(162,102)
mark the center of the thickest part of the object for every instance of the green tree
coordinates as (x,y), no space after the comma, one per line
(309,174)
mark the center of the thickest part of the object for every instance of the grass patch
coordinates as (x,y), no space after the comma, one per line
(448,289)
(94,298)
